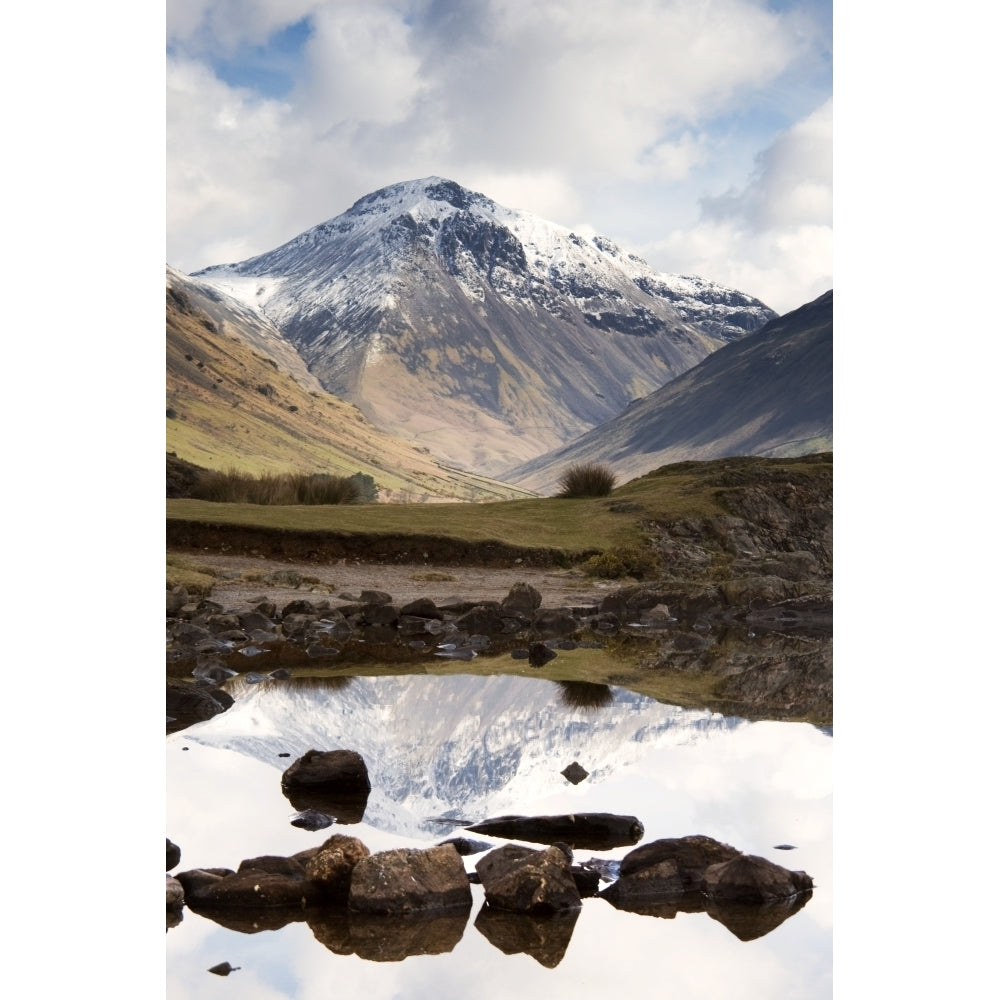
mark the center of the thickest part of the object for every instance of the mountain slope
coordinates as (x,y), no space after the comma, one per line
(238,395)
(769,394)
(486,334)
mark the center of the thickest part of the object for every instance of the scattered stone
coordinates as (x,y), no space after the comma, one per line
(311,819)
(173,854)
(574,772)
(224,968)
(539,654)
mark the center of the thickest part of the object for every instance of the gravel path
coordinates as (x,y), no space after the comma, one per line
(558,587)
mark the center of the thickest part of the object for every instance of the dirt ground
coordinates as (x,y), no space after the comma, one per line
(558,587)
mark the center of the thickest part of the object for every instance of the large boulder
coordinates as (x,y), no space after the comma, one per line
(522,880)
(690,855)
(253,888)
(334,782)
(751,879)
(408,880)
(521,599)
(173,854)
(331,865)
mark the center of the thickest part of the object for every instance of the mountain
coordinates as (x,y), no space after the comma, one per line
(486,334)
(769,394)
(239,395)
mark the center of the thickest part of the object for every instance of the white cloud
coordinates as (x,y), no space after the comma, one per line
(619,116)
(773,237)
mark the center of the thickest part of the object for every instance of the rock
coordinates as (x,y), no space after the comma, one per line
(751,879)
(331,865)
(522,598)
(274,864)
(482,619)
(195,880)
(223,969)
(310,819)
(574,773)
(341,772)
(466,845)
(189,704)
(176,599)
(523,880)
(175,893)
(554,622)
(539,654)
(173,854)
(422,607)
(691,855)
(255,888)
(595,831)
(408,880)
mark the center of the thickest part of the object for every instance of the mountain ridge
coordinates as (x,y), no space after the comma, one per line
(484,333)
(769,394)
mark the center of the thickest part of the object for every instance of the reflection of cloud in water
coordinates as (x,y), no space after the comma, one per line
(750,785)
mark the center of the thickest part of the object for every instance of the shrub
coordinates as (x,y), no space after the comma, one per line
(628,560)
(586,481)
(275,488)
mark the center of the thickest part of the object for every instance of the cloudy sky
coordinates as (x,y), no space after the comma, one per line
(697,133)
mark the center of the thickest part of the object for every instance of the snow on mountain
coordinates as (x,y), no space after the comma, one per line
(483,332)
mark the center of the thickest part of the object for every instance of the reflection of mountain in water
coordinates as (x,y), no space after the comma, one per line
(461,747)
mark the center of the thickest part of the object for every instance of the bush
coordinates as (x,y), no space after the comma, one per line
(278,489)
(586,481)
(628,560)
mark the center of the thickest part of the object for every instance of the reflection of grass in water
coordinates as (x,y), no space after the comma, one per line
(580,694)
(331,682)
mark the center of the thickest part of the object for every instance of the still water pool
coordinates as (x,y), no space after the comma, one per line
(444,752)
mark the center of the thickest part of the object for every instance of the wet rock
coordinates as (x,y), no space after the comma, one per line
(254,888)
(522,598)
(310,819)
(595,831)
(482,619)
(334,782)
(554,622)
(173,854)
(523,880)
(175,893)
(422,607)
(331,865)
(223,969)
(197,879)
(539,654)
(690,855)
(250,621)
(274,864)
(408,879)
(752,879)
(331,771)
(176,599)
(379,614)
(466,845)
(188,704)
(574,773)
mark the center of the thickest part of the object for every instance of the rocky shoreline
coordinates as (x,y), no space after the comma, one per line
(418,900)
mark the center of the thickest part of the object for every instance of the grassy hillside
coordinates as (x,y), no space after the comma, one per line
(230,405)
(559,528)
